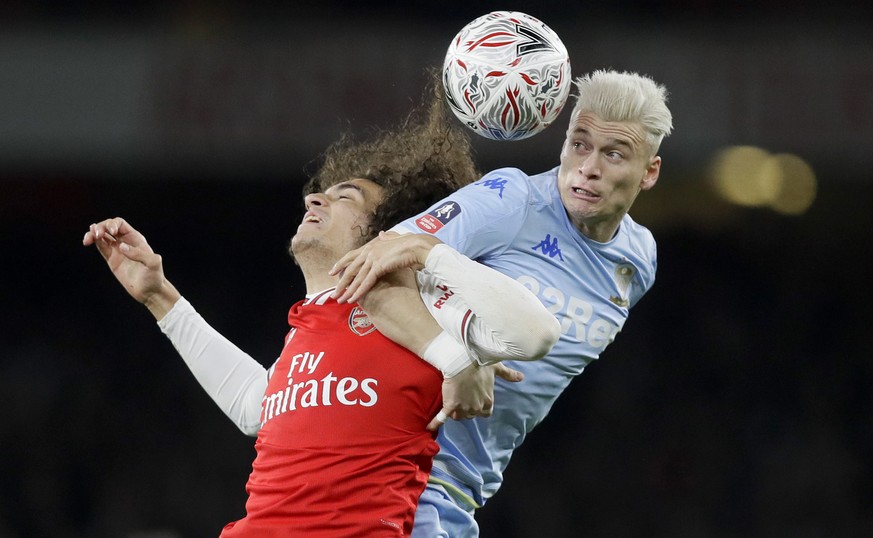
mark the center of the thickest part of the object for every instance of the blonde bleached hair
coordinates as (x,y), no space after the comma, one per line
(626,97)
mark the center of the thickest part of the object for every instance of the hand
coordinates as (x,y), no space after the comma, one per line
(471,393)
(133,262)
(361,268)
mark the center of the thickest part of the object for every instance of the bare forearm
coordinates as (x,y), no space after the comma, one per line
(395,308)
(161,302)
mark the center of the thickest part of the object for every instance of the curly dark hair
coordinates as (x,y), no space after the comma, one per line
(419,162)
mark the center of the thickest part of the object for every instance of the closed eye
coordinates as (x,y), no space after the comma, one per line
(345,191)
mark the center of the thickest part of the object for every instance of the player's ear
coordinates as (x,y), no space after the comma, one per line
(653,170)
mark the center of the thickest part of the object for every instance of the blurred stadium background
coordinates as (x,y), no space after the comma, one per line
(737,402)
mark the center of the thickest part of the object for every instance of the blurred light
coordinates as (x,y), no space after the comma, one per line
(738,174)
(798,185)
(752,177)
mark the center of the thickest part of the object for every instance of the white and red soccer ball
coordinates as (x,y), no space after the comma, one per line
(506,75)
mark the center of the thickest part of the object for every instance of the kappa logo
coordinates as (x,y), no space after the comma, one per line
(549,247)
(360,323)
(494,184)
(439,217)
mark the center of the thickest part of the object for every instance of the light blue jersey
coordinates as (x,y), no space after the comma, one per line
(516,224)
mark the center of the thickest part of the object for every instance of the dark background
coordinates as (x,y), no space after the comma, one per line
(736,402)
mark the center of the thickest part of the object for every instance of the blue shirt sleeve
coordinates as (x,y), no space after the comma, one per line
(480,219)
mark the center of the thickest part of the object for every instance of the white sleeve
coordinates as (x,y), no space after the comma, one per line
(233,379)
(496,317)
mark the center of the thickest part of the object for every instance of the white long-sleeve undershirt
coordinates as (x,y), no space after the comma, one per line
(234,380)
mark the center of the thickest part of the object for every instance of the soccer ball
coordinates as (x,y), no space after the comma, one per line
(506,75)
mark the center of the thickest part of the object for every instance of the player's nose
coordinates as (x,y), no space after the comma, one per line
(314,199)
(590,166)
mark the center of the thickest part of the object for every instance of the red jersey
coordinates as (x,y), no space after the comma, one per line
(343,449)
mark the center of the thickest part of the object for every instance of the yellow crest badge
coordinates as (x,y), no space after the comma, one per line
(624,274)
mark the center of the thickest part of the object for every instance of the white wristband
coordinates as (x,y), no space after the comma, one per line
(447,355)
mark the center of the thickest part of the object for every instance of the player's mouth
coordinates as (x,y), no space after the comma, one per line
(585,194)
(311,218)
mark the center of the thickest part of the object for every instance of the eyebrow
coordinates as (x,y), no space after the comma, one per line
(610,141)
(346,185)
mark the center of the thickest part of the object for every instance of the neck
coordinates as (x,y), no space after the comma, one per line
(601,234)
(316,276)
(601,231)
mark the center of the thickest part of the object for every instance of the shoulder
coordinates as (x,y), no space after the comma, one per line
(512,186)
(639,237)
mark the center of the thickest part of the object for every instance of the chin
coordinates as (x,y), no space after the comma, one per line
(299,244)
(291,251)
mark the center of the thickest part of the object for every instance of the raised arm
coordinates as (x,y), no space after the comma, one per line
(508,321)
(482,315)
(233,379)
(396,309)
(511,323)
